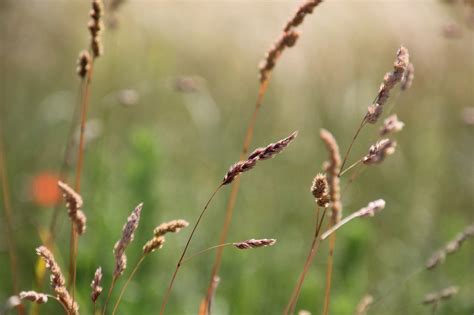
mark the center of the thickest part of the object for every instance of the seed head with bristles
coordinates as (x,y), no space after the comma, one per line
(57,280)
(170,227)
(74,204)
(155,243)
(127,237)
(379,151)
(95,285)
(390,125)
(259,154)
(287,39)
(320,186)
(272,149)
(33,296)
(253,243)
(400,66)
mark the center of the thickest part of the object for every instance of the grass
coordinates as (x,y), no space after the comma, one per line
(158,153)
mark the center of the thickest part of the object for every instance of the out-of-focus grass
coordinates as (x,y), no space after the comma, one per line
(172,148)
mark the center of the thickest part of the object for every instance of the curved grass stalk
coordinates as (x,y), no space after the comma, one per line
(170,286)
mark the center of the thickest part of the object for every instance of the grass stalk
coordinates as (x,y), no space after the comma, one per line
(346,156)
(234,192)
(77,186)
(12,251)
(329,268)
(128,282)
(290,308)
(178,265)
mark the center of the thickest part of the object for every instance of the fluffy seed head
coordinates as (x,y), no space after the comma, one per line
(320,186)
(127,237)
(170,227)
(332,168)
(408,77)
(95,285)
(57,280)
(34,296)
(155,243)
(379,151)
(253,243)
(74,204)
(391,124)
(237,169)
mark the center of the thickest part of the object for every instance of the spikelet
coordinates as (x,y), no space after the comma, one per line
(74,204)
(390,79)
(319,189)
(253,243)
(155,243)
(364,304)
(265,153)
(95,285)
(379,151)
(170,227)
(272,149)
(288,39)
(127,237)
(95,26)
(450,248)
(57,280)
(445,294)
(332,170)
(391,125)
(33,296)
(302,11)
(83,64)
(408,77)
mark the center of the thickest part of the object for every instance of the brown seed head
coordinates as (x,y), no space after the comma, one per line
(170,227)
(95,285)
(237,168)
(408,77)
(390,125)
(155,243)
(57,280)
(320,186)
(253,243)
(288,39)
(74,204)
(127,237)
(273,148)
(34,296)
(379,151)
(332,168)
(83,64)
(298,17)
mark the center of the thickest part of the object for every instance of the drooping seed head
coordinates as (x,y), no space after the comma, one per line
(253,243)
(33,296)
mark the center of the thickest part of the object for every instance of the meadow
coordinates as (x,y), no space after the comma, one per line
(170,101)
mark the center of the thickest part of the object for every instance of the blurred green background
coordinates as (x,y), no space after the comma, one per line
(170,102)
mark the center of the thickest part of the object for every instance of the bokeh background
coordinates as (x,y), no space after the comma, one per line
(170,102)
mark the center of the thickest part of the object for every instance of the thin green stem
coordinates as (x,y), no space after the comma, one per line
(204,251)
(362,124)
(112,285)
(349,167)
(127,283)
(178,265)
